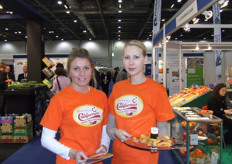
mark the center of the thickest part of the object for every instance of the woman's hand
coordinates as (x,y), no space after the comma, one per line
(122,135)
(79,156)
(102,150)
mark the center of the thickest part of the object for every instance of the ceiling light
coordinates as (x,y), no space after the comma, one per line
(1,7)
(119,30)
(119,1)
(119,20)
(221,10)
(57,36)
(209,47)
(172,6)
(59,2)
(119,26)
(195,20)
(65,6)
(163,20)
(119,35)
(15,32)
(90,39)
(197,47)
(150,34)
(84,31)
(5,40)
(6,29)
(9,12)
(67,12)
(120,11)
(223,3)
(181,34)
(186,27)
(19,32)
(179,0)
(25,36)
(62,39)
(75,21)
(176,38)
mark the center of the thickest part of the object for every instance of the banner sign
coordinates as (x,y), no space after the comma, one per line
(174,79)
(156,28)
(217,38)
(187,13)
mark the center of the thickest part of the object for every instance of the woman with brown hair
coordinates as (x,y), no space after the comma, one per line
(217,103)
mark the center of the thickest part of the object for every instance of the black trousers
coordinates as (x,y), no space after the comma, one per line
(2,110)
(227,124)
(105,88)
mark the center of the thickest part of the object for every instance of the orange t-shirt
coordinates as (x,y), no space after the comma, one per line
(80,117)
(137,108)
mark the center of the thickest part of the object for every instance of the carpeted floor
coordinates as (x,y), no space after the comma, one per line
(7,149)
(33,152)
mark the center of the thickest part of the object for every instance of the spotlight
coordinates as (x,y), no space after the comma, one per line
(208,14)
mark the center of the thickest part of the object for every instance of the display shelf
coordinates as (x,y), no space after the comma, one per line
(202,136)
(194,96)
(199,101)
(35,104)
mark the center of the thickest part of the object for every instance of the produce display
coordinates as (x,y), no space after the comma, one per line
(187,95)
(28,84)
(16,129)
(200,131)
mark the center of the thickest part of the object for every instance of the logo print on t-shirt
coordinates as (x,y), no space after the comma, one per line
(88,115)
(128,105)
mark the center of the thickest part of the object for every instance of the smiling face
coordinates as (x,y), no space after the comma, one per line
(80,72)
(133,60)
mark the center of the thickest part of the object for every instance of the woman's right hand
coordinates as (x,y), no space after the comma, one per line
(122,135)
(79,156)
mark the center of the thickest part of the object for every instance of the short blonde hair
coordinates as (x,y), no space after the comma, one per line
(139,44)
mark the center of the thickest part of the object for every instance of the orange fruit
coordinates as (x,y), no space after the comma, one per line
(200,133)
(209,141)
(217,132)
(184,134)
(183,123)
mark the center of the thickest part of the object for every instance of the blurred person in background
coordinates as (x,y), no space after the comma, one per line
(23,76)
(8,75)
(60,81)
(121,75)
(217,103)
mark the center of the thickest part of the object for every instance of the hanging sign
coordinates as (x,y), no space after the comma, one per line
(217,38)
(156,28)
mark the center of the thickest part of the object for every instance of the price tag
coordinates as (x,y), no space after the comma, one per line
(193,139)
(214,158)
